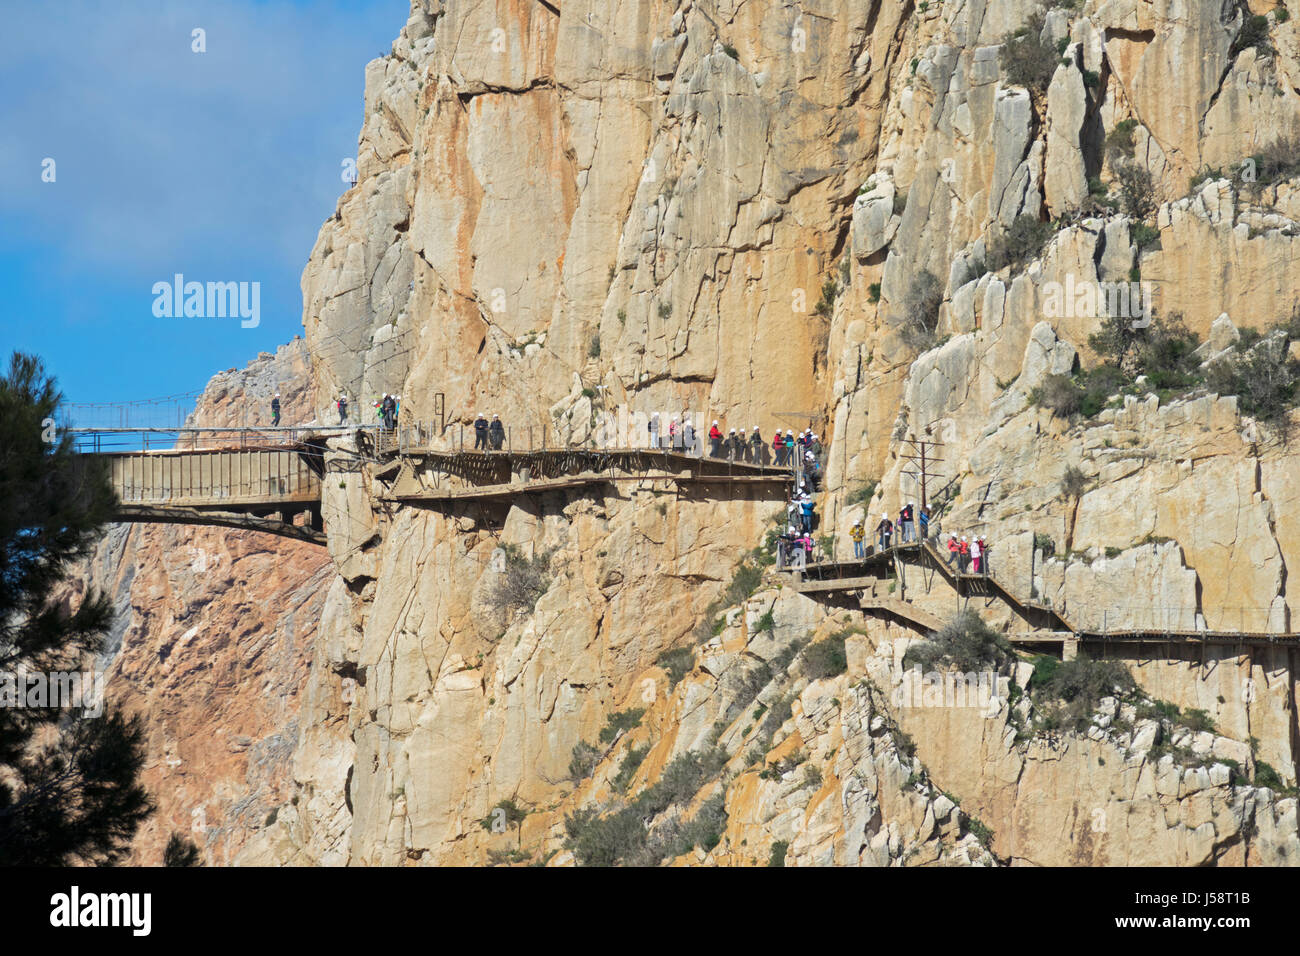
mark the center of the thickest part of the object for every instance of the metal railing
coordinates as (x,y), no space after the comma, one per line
(460,437)
(169,411)
(104,440)
(1243,619)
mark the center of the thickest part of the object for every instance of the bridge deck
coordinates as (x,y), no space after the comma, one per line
(213,478)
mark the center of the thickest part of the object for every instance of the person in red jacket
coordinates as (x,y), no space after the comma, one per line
(778,448)
(954,550)
(715,439)
(963,554)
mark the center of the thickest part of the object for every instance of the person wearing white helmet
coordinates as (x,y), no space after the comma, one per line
(806,510)
(688,435)
(674,437)
(480,432)
(963,555)
(275,409)
(756,446)
(813,470)
(884,532)
(496,433)
(715,440)
(730,445)
(907,523)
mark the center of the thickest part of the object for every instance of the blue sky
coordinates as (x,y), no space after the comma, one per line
(219,165)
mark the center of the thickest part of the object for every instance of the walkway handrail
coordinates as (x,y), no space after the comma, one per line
(1164,621)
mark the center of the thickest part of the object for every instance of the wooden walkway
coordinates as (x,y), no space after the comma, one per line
(431,476)
(858,580)
(277,489)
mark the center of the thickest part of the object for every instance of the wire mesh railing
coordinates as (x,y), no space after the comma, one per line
(170,411)
(1157,619)
(460,437)
(121,440)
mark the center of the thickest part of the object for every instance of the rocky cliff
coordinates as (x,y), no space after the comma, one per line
(855,215)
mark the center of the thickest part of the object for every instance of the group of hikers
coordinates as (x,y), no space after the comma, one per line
(735,445)
(913,525)
(801,521)
(387,408)
(802,516)
(969,556)
(910,519)
(489,436)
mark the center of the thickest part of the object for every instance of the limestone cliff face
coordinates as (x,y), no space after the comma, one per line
(725,207)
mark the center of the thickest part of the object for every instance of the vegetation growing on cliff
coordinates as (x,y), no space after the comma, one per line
(676,663)
(521,581)
(1019,244)
(965,643)
(1253,34)
(1026,60)
(1067,693)
(620,722)
(621,836)
(862,494)
(1163,359)
(583,760)
(918,318)
(826,658)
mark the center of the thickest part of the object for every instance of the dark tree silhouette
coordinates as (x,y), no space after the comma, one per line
(181,852)
(68,791)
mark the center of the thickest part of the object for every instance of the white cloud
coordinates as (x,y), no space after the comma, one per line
(170,160)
